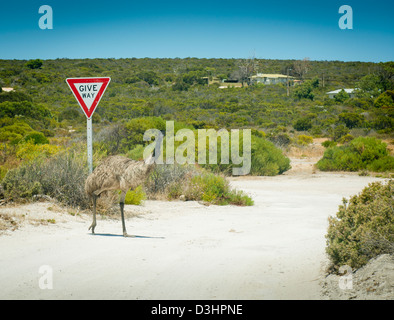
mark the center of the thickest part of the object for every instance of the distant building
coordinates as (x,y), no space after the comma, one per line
(267,78)
(225,85)
(350,92)
(7,89)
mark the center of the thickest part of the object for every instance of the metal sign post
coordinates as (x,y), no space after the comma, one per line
(88,92)
(90,144)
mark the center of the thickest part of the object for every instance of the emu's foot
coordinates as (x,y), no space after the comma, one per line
(127,235)
(92,226)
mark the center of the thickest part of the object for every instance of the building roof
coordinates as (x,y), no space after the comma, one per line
(339,90)
(7,89)
(270,75)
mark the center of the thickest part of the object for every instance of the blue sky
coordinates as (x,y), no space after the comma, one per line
(203,29)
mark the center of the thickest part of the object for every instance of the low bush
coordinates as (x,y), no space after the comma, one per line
(303,124)
(304,140)
(340,131)
(362,153)
(172,181)
(166,176)
(13,131)
(346,139)
(61,177)
(280,139)
(267,160)
(36,138)
(351,119)
(385,100)
(30,150)
(215,189)
(329,144)
(363,227)
(135,196)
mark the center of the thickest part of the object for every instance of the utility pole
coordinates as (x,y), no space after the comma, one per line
(288,85)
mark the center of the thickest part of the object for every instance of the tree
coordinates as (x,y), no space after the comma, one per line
(385,100)
(34,64)
(341,96)
(370,85)
(301,67)
(246,69)
(386,74)
(149,76)
(180,85)
(305,90)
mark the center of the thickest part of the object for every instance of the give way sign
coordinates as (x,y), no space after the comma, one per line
(88,92)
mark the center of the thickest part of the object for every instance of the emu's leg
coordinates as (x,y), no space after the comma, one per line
(93,225)
(121,204)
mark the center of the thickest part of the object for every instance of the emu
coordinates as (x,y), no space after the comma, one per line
(118,173)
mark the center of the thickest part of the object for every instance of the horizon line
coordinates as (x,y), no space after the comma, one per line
(199,58)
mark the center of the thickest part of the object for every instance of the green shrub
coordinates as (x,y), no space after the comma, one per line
(209,187)
(339,132)
(34,64)
(280,139)
(385,100)
(22,182)
(14,96)
(137,153)
(165,176)
(382,123)
(304,91)
(239,198)
(303,124)
(266,159)
(329,143)
(361,153)
(135,196)
(351,120)
(363,227)
(14,131)
(172,181)
(215,189)
(24,108)
(36,138)
(61,177)
(3,172)
(341,96)
(304,140)
(346,139)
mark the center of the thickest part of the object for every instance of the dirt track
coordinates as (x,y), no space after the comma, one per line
(183,250)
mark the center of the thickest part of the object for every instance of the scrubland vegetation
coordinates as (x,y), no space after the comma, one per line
(363,227)
(42,129)
(43,132)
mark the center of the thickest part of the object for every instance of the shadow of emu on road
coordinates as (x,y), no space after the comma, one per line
(122,236)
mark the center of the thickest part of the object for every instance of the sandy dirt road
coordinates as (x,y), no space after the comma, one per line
(184,250)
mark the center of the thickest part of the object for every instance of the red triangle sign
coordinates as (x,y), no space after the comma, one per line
(88,92)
